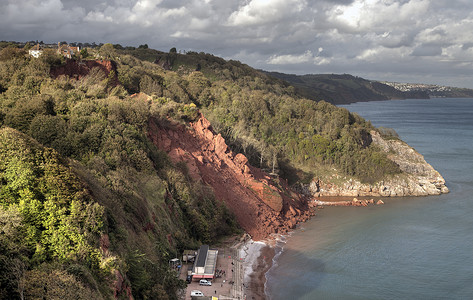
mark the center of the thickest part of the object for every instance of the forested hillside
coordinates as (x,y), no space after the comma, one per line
(273,125)
(345,88)
(91,208)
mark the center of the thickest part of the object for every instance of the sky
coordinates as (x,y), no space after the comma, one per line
(416,41)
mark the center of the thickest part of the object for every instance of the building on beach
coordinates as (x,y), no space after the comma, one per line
(205,263)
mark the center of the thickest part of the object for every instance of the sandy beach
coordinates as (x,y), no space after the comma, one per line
(255,281)
(257,259)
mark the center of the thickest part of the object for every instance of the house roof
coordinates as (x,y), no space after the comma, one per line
(202,255)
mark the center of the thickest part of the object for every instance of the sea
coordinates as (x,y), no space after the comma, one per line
(408,248)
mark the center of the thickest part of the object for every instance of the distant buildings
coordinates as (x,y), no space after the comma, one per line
(35,51)
(409,87)
(66,50)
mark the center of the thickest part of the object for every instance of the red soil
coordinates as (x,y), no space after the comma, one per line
(78,69)
(261,204)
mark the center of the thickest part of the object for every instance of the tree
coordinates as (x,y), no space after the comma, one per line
(27,46)
(118,46)
(84,53)
(173,50)
(107,51)
(145,46)
(42,283)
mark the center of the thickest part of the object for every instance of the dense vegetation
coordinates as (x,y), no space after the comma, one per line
(266,119)
(87,199)
(345,88)
(84,195)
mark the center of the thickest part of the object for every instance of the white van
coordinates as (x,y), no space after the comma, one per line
(205,282)
(196,293)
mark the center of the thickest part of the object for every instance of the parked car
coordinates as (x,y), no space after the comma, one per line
(196,293)
(189,278)
(205,282)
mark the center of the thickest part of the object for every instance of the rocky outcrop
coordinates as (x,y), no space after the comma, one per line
(418,178)
(354,202)
(262,204)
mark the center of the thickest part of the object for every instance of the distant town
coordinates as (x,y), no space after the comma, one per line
(409,87)
(433,90)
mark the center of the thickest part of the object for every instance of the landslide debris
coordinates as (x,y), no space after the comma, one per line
(262,204)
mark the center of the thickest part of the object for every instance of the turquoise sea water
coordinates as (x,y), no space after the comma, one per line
(409,248)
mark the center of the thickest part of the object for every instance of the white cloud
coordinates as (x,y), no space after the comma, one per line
(145,6)
(306,57)
(377,15)
(291,59)
(258,12)
(32,12)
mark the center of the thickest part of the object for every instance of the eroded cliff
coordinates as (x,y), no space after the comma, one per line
(79,69)
(261,204)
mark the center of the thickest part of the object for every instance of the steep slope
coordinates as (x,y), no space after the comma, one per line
(261,204)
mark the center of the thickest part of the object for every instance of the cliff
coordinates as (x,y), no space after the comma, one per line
(79,69)
(262,204)
(419,177)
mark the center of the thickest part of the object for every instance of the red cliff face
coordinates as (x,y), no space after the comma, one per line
(261,204)
(78,69)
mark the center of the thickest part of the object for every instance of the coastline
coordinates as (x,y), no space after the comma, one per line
(254,282)
(257,259)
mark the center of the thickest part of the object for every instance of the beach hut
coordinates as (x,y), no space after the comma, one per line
(205,263)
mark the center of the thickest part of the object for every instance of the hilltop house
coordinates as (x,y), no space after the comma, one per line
(35,51)
(66,50)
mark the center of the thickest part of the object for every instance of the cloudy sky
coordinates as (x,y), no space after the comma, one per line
(426,41)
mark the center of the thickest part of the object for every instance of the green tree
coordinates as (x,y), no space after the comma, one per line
(84,53)
(107,51)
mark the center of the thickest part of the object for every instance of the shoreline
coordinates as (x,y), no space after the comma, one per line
(257,259)
(255,282)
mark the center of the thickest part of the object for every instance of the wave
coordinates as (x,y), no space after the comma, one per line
(278,243)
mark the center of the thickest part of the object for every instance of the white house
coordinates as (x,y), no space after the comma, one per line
(35,51)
